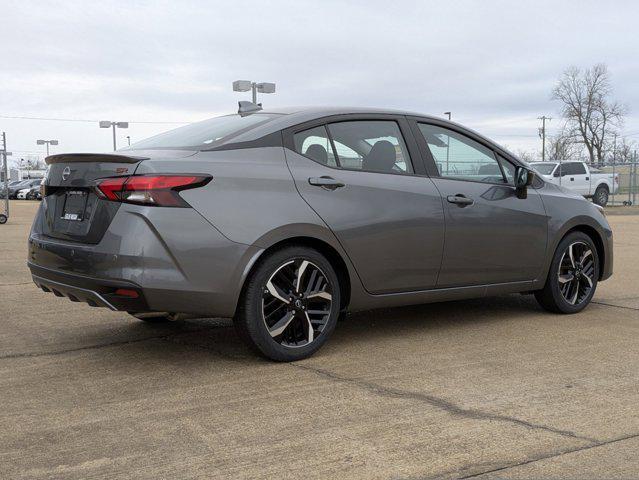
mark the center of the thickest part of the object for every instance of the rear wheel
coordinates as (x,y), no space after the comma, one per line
(573,274)
(3,219)
(601,196)
(290,304)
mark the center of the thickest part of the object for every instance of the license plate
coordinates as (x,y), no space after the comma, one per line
(75,202)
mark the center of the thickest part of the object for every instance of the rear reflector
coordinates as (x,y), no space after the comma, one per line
(157,190)
(125,292)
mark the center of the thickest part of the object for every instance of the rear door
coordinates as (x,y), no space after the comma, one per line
(491,235)
(358,174)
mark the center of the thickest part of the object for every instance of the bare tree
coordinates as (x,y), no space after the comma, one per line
(591,116)
(625,151)
(526,156)
(562,146)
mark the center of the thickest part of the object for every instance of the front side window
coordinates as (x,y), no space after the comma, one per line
(460,157)
(371,145)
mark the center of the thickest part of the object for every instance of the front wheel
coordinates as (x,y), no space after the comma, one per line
(290,304)
(572,278)
(601,196)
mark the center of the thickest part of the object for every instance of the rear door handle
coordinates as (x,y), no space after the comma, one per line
(460,200)
(325,182)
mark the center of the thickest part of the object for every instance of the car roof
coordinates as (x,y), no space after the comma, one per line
(291,116)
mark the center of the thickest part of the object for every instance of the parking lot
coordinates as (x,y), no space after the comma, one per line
(484,388)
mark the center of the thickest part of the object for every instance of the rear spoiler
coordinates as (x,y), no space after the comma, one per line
(92,157)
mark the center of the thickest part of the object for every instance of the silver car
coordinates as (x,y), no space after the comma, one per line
(284,220)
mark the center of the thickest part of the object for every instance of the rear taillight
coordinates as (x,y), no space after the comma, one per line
(158,190)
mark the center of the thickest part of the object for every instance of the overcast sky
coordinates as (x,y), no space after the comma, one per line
(492,63)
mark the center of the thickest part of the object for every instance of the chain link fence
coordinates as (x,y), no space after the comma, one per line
(627,191)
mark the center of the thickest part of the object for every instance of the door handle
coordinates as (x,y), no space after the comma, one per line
(572,179)
(587,178)
(325,182)
(460,200)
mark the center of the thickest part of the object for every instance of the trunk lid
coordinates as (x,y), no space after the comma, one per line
(71,208)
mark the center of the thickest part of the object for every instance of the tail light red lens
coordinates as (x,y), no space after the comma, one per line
(157,190)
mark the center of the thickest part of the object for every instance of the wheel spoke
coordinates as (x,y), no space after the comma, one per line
(300,274)
(281,325)
(571,256)
(309,326)
(588,279)
(574,285)
(568,277)
(276,292)
(324,295)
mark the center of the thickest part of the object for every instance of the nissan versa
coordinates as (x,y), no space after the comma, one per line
(284,220)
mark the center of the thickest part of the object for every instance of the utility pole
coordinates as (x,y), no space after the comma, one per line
(542,134)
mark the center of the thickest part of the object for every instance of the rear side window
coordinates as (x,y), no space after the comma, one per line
(371,145)
(572,168)
(315,144)
(205,134)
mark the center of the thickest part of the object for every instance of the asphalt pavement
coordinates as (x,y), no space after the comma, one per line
(474,389)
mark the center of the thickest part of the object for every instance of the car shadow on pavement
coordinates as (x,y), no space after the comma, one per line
(218,337)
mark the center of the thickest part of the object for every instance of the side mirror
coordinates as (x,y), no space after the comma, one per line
(523,179)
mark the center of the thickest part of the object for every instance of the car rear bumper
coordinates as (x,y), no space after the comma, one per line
(172,258)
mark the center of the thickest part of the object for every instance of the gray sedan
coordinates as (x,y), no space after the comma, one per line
(284,220)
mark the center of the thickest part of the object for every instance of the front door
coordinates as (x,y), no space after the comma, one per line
(491,235)
(359,178)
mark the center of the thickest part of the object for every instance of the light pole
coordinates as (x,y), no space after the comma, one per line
(246,85)
(110,124)
(47,143)
(447,113)
(128,139)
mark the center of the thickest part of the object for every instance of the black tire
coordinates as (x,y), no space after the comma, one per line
(258,307)
(3,219)
(558,293)
(601,196)
(153,317)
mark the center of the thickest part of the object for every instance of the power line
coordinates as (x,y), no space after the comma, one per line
(21,117)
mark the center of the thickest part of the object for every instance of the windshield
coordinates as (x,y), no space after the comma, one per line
(205,134)
(544,168)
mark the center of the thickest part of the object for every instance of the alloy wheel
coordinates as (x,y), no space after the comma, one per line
(296,303)
(576,271)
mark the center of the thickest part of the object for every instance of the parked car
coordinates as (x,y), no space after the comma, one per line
(580,178)
(286,219)
(25,184)
(32,193)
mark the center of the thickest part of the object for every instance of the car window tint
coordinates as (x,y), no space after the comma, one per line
(460,157)
(371,145)
(315,144)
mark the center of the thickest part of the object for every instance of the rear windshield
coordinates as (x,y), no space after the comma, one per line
(205,134)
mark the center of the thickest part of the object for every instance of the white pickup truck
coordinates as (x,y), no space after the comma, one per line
(580,178)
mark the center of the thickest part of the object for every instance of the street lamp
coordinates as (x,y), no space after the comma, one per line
(47,143)
(128,139)
(110,124)
(246,85)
